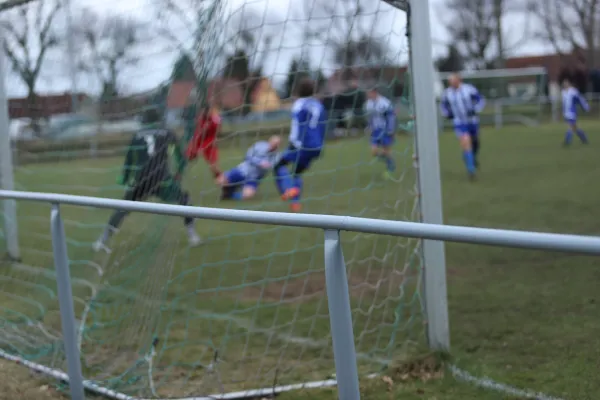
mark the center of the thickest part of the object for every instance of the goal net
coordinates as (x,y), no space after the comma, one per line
(247,310)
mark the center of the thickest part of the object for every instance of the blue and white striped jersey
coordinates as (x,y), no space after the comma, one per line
(571,98)
(309,120)
(257,154)
(381,115)
(462,104)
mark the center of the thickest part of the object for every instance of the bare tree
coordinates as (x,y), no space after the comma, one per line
(478,29)
(108,45)
(348,29)
(250,33)
(30,36)
(567,25)
(182,19)
(191,27)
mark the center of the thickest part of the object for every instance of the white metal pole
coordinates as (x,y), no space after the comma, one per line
(11,232)
(65,302)
(72,56)
(428,164)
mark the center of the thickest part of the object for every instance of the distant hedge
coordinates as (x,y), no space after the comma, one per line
(116,144)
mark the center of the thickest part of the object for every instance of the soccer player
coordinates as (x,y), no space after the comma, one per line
(461,103)
(260,158)
(204,140)
(571,98)
(382,124)
(307,135)
(146,173)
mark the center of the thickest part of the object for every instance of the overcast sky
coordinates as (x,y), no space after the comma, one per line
(156,58)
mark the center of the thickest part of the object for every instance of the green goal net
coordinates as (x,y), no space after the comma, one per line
(247,309)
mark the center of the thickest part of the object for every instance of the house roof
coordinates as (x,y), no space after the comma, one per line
(179,94)
(226,92)
(553,63)
(43,105)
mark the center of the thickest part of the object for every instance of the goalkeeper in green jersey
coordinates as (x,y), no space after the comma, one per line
(146,173)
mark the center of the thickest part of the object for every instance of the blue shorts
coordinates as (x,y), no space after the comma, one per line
(235,177)
(471,129)
(571,121)
(381,139)
(301,159)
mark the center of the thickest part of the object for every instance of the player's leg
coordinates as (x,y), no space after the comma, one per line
(138,192)
(305,160)
(464,138)
(230,182)
(210,152)
(249,189)
(475,142)
(579,132)
(386,143)
(227,190)
(301,164)
(283,177)
(170,191)
(571,127)
(375,145)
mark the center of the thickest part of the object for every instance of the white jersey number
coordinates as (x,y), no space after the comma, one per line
(315,116)
(150,144)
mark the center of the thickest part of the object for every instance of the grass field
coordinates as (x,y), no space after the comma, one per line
(525,318)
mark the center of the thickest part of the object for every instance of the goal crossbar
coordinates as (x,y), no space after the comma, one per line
(399,4)
(8,4)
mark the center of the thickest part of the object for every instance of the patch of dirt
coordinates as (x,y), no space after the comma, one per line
(424,368)
(18,382)
(312,286)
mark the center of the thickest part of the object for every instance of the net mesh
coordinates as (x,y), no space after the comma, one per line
(248,309)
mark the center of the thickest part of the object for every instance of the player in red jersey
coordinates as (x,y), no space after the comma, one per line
(204,140)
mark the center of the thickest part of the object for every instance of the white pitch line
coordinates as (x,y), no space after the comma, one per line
(490,384)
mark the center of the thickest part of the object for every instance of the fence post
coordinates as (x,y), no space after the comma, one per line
(498,117)
(11,232)
(340,317)
(65,300)
(428,161)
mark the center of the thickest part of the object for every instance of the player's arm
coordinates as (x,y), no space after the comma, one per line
(445,108)
(176,150)
(215,125)
(477,99)
(390,118)
(583,102)
(193,146)
(191,152)
(128,166)
(366,116)
(294,137)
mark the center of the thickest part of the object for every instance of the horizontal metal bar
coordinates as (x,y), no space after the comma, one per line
(498,73)
(459,234)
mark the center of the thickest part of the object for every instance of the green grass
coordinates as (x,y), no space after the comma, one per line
(525,318)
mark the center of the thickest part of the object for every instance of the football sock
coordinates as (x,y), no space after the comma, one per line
(298,183)
(582,136)
(568,136)
(475,145)
(283,180)
(389,162)
(469,161)
(190,230)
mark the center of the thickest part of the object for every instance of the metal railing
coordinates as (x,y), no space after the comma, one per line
(335,268)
